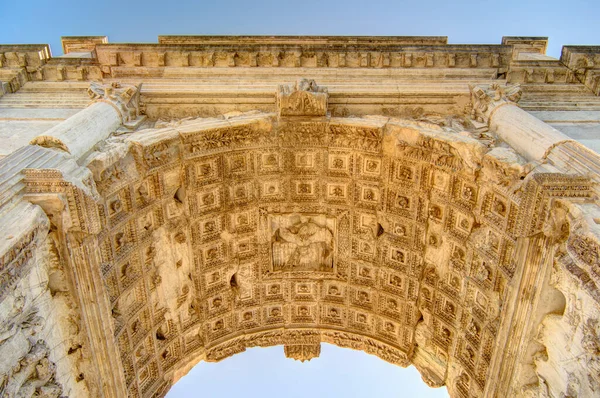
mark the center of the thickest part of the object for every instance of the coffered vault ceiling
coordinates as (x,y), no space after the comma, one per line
(210,198)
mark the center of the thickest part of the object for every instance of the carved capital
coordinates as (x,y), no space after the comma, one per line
(304,98)
(125,98)
(485,100)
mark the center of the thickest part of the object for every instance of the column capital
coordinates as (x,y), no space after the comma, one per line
(125,98)
(485,99)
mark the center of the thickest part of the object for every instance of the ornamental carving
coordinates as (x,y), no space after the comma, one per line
(359,226)
(124,97)
(227,220)
(25,370)
(302,352)
(32,376)
(587,251)
(302,242)
(304,98)
(485,99)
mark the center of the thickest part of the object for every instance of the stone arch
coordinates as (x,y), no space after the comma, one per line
(426,241)
(397,237)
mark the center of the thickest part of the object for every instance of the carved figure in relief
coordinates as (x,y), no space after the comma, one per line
(244,283)
(396,281)
(573,387)
(365,272)
(303,289)
(21,322)
(434,240)
(302,243)
(32,376)
(216,303)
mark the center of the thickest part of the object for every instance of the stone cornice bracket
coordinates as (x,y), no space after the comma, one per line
(304,98)
(125,98)
(584,65)
(484,101)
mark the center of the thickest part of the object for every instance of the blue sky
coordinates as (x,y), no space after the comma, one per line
(484,21)
(338,372)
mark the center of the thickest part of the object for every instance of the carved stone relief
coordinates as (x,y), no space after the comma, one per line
(302,242)
(409,239)
(305,98)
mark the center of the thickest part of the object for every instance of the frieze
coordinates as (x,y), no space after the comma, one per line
(222,138)
(360,138)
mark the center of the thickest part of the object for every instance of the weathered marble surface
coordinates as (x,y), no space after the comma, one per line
(399,196)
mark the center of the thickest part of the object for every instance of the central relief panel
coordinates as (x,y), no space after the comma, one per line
(302,242)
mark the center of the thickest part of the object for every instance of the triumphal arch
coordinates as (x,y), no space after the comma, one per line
(434,205)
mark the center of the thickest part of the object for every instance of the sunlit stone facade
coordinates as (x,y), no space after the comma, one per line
(431,204)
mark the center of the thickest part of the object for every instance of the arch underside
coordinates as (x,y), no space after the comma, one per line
(412,240)
(392,236)
(465,245)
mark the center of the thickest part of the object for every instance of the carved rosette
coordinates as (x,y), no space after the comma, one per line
(302,352)
(125,98)
(484,100)
(305,98)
